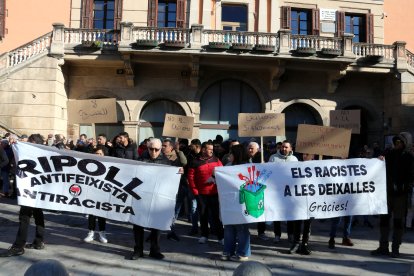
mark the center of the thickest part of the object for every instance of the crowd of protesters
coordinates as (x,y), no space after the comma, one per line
(198,192)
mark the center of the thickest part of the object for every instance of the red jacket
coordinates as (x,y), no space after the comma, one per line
(200,171)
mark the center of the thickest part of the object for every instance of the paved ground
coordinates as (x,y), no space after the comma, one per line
(64,234)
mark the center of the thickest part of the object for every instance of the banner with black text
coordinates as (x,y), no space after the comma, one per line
(118,189)
(301,190)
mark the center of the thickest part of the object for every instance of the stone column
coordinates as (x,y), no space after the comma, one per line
(57,47)
(284,42)
(194,13)
(127,36)
(197,36)
(132,128)
(400,56)
(206,14)
(347,46)
(262,16)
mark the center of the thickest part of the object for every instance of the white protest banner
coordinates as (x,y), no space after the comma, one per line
(261,124)
(92,111)
(350,119)
(119,189)
(178,126)
(301,190)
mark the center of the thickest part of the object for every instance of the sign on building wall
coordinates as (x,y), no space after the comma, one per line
(261,124)
(92,111)
(178,126)
(323,140)
(327,15)
(350,119)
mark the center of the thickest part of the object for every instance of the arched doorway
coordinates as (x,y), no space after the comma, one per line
(299,113)
(359,140)
(153,115)
(220,105)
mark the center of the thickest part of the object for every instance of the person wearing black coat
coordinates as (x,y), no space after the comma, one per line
(126,148)
(156,157)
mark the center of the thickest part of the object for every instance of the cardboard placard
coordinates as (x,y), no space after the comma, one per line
(350,119)
(261,124)
(92,111)
(178,126)
(323,140)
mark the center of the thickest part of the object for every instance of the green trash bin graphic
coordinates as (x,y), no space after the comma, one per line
(253,200)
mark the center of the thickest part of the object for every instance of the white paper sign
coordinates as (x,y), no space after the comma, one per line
(301,190)
(327,14)
(113,188)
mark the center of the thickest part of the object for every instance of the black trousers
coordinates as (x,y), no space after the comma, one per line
(92,223)
(24,221)
(297,225)
(397,209)
(139,239)
(209,205)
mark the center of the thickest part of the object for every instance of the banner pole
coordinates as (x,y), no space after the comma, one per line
(261,146)
(93,131)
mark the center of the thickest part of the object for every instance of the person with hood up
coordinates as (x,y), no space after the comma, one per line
(399,162)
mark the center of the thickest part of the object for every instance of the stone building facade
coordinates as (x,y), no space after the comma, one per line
(212,60)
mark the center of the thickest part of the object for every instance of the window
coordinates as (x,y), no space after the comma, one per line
(220,105)
(360,25)
(103,14)
(234,17)
(300,21)
(166,13)
(355,24)
(2,18)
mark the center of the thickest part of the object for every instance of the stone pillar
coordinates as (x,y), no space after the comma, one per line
(262,16)
(197,36)
(127,36)
(194,13)
(206,8)
(347,46)
(284,42)
(400,56)
(57,47)
(132,128)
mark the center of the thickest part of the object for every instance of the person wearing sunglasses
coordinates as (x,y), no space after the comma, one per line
(154,156)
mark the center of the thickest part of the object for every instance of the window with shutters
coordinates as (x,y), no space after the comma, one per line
(101,14)
(234,17)
(167,13)
(300,21)
(356,24)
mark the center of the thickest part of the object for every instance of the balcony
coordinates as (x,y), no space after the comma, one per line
(199,40)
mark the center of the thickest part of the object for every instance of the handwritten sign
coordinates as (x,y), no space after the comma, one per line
(92,111)
(327,14)
(261,124)
(178,126)
(323,140)
(346,119)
